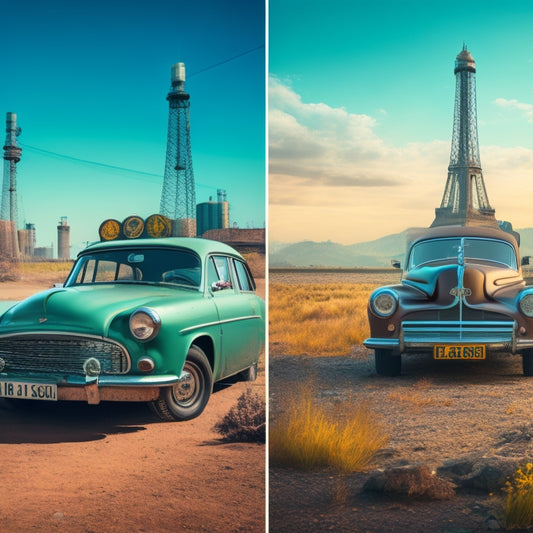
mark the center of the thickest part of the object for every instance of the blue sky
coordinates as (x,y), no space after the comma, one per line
(361,99)
(88,80)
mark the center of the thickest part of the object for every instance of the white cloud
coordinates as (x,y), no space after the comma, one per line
(333,177)
(525,109)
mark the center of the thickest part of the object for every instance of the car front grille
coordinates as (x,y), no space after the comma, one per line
(497,332)
(64,354)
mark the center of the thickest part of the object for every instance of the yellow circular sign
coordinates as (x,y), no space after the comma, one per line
(109,230)
(133,227)
(158,226)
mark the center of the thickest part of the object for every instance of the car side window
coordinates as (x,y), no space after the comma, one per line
(212,274)
(244,276)
(218,272)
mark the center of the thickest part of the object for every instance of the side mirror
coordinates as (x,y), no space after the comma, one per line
(525,260)
(395,263)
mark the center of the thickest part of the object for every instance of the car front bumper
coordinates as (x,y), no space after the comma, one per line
(94,390)
(416,336)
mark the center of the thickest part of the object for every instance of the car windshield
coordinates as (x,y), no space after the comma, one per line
(142,265)
(474,249)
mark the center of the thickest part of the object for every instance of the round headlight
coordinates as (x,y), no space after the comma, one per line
(384,303)
(526,305)
(144,324)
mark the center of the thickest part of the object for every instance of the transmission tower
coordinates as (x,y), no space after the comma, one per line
(9,188)
(178,198)
(465,200)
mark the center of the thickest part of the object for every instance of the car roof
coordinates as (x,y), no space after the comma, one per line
(486,232)
(202,247)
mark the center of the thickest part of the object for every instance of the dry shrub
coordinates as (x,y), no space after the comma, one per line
(9,269)
(418,482)
(321,319)
(519,505)
(245,421)
(305,436)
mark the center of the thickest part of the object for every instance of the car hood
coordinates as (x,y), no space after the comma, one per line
(87,309)
(484,281)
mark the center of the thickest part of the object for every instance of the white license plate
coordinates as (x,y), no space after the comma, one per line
(23,390)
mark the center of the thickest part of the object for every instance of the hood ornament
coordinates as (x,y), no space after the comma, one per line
(460,291)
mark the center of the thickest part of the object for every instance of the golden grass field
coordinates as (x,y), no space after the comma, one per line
(318,319)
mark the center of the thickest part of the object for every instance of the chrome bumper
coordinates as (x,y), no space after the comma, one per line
(422,336)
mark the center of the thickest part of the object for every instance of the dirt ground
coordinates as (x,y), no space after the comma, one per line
(435,412)
(115,468)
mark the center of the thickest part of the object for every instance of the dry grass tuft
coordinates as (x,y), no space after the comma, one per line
(9,269)
(519,505)
(321,319)
(305,436)
(246,421)
(40,267)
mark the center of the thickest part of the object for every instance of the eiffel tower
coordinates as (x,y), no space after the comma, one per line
(465,200)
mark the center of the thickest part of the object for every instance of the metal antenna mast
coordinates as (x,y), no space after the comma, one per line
(9,189)
(178,197)
(465,199)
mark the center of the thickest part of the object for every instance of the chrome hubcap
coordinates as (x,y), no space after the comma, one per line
(184,389)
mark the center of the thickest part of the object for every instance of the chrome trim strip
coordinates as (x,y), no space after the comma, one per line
(219,322)
(139,381)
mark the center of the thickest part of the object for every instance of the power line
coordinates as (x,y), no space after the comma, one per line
(78,160)
(227,60)
(86,161)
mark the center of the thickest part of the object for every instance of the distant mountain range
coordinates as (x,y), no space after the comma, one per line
(377,253)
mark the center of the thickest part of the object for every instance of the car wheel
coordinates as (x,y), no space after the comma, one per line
(387,364)
(250,374)
(527,362)
(188,398)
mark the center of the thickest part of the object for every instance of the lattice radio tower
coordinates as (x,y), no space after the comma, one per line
(12,151)
(178,198)
(465,200)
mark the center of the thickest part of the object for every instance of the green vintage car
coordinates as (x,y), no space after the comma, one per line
(155,320)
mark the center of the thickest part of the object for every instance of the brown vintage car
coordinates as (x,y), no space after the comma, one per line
(462,296)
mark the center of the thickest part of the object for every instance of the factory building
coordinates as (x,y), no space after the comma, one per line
(212,215)
(63,239)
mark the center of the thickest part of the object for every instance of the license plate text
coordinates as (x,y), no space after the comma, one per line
(469,351)
(28,391)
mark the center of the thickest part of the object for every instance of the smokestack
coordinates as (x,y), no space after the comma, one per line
(63,239)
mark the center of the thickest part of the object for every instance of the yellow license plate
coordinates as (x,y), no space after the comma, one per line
(459,351)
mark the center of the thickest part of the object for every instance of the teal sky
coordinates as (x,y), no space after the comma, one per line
(89,81)
(370,87)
